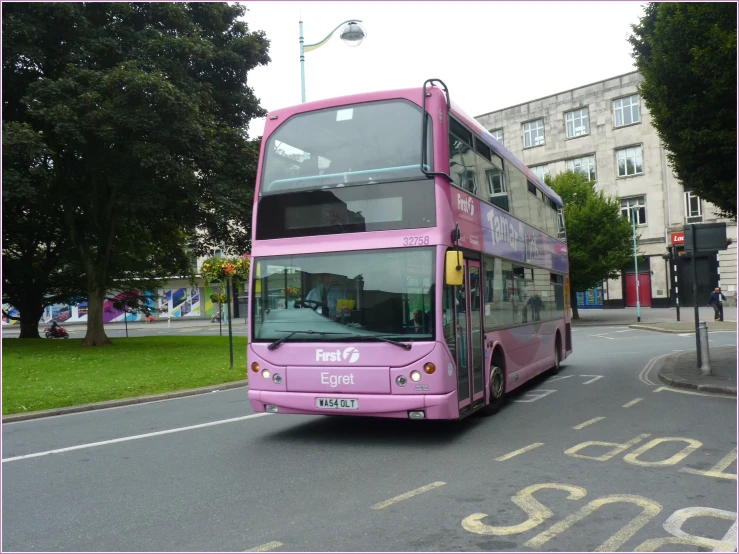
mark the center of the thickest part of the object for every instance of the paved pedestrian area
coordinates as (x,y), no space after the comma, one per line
(681,370)
(628,316)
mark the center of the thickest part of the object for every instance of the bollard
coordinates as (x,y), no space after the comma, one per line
(703,335)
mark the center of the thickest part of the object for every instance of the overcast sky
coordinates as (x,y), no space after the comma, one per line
(490,54)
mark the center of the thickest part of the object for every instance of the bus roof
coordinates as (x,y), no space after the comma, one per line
(415,95)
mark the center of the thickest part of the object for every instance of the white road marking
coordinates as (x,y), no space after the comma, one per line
(589,422)
(630,404)
(553,379)
(265,547)
(713,395)
(519,451)
(134,437)
(591,380)
(536,397)
(407,495)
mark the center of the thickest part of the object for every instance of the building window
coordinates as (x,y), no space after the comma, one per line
(497,192)
(629,161)
(561,232)
(693,208)
(533,133)
(585,165)
(626,110)
(540,170)
(577,123)
(498,134)
(635,207)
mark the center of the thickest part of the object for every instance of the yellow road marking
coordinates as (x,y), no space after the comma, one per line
(630,404)
(718,469)
(589,422)
(537,512)
(618,448)
(649,507)
(519,451)
(407,495)
(693,445)
(265,547)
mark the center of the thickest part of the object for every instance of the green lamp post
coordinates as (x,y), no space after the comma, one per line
(352,34)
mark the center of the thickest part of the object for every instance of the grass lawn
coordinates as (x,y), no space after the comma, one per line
(44,374)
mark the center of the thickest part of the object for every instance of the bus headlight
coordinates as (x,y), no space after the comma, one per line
(265,373)
(429,368)
(415,376)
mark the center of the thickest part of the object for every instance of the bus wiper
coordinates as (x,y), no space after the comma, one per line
(403,345)
(278,342)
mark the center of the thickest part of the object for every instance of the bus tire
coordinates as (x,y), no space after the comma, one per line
(497,390)
(557,356)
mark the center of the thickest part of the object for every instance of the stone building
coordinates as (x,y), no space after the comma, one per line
(604,130)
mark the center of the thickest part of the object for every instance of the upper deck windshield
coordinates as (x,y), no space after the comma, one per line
(356,144)
(345,295)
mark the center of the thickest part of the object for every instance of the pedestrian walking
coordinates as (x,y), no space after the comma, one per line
(716,301)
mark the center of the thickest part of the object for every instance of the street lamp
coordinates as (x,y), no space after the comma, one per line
(636,265)
(352,34)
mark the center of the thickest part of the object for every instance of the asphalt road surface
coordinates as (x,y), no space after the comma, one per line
(601,456)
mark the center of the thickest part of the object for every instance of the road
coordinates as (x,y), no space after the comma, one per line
(204,473)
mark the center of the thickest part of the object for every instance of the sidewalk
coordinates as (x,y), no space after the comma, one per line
(627,316)
(680,370)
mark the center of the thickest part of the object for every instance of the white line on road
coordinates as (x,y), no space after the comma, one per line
(589,422)
(519,451)
(265,547)
(131,438)
(553,379)
(407,495)
(630,404)
(538,394)
(713,395)
(591,380)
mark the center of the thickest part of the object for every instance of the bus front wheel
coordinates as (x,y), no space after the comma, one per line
(497,391)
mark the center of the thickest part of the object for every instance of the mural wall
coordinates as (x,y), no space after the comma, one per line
(181,301)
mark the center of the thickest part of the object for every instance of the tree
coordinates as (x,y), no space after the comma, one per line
(144,110)
(38,266)
(599,238)
(686,52)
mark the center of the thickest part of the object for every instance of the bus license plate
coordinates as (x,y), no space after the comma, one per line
(338,403)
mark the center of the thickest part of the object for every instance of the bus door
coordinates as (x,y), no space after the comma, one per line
(469,337)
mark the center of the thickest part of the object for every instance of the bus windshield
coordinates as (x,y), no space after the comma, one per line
(345,295)
(355,144)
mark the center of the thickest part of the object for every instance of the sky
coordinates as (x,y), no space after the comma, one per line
(491,55)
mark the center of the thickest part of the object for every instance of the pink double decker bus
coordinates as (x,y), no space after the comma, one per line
(404,263)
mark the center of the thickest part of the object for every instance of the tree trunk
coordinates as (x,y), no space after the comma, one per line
(95,335)
(30,316)
(573,304)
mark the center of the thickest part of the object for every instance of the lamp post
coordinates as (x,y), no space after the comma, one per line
(636,265)
(352,34)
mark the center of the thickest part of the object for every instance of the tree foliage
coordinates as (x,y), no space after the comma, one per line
(686,52)
(599,238)
(143,111)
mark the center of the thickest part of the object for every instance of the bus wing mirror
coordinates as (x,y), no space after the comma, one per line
(454,276)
